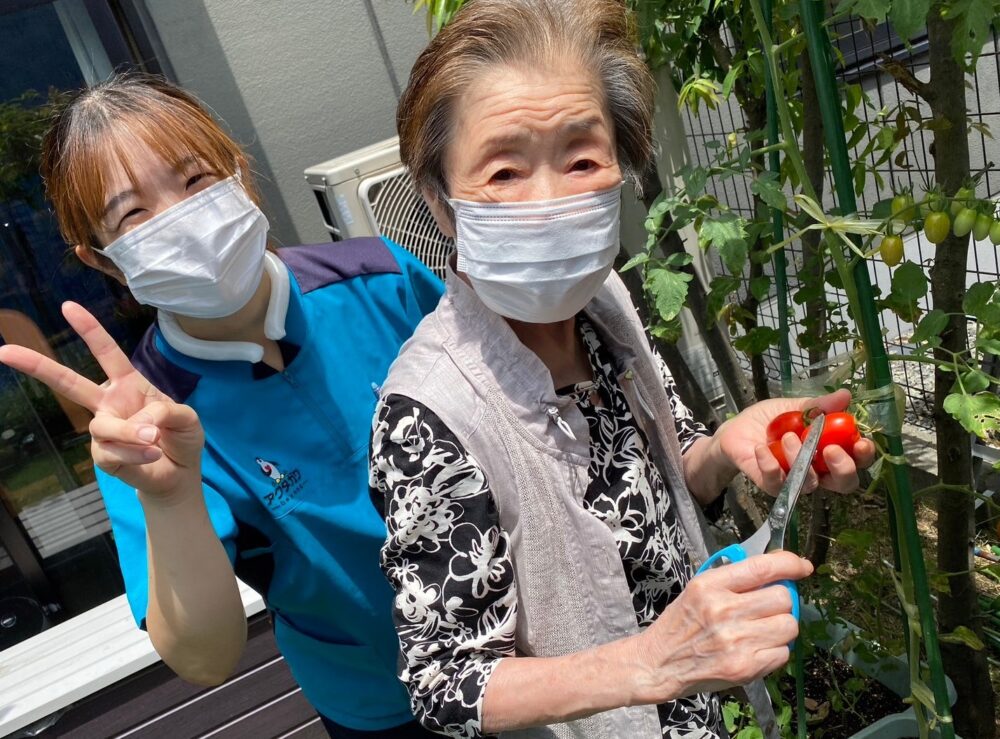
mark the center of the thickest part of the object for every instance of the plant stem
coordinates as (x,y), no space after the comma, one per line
(857,286)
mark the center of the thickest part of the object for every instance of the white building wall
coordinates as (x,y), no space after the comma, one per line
(297,82)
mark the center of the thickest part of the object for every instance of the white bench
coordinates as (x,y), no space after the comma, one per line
(70,661)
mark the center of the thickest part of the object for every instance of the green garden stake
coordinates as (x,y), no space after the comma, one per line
(878,373)
(784,350)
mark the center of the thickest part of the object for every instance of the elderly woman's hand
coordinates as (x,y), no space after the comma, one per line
(729,626)
(743,442)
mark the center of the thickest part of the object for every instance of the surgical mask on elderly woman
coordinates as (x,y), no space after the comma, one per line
(203,257)
(540,261)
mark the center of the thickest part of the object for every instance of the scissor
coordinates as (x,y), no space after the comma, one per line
(768,538)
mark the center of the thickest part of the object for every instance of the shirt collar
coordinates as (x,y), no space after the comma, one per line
(246,351)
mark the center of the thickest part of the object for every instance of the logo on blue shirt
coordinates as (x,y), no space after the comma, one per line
(287,485)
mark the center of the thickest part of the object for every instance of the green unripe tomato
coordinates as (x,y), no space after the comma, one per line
(964,222)
(936,226)
(995,233)
(981,229)
(961,200)
(891,250)
(902,207)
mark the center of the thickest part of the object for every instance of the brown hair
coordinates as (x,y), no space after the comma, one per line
(101,123)
(491,33)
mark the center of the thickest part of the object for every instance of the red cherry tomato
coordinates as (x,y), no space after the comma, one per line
(840,430)
(779,454)
(790,422)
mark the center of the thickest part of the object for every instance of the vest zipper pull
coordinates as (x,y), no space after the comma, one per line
(560,422)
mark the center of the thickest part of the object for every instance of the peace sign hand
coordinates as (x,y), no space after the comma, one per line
(139,435)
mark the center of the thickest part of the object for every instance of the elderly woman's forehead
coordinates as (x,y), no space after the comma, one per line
(570,95)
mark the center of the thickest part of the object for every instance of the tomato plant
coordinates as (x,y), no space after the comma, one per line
(936,226)
(840,430)
(964,222)
(891,250)
(790,422)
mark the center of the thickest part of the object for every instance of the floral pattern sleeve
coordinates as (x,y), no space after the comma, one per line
(448,561)
(689,430)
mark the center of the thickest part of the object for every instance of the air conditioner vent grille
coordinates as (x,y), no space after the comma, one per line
(402,216)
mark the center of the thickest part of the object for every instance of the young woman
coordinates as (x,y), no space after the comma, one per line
(234,443)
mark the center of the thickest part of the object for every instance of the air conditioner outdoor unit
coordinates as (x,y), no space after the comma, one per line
(370,193)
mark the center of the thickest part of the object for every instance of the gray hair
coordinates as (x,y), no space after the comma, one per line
(489,33)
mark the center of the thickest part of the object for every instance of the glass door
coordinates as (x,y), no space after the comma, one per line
(57,556)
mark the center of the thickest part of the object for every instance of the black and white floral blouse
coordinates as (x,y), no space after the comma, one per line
(449,561)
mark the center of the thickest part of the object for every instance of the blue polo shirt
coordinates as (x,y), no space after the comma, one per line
(285,471)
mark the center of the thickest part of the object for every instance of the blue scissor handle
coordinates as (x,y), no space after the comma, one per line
(732,553)
(736,553)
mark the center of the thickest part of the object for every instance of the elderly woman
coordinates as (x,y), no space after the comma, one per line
(540,479)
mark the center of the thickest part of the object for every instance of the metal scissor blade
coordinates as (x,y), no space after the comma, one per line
(761,701)
(796,480)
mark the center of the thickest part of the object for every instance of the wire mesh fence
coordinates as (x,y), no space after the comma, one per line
(864,54)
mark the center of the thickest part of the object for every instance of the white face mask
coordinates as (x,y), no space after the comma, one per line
(542,261)
(203,257)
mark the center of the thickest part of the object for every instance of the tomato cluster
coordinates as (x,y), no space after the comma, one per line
(963,216)
(840,429)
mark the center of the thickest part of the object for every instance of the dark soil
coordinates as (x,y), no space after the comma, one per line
(839,701)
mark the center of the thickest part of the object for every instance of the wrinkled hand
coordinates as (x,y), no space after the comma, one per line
(730,625)
(138,434)
(743,440)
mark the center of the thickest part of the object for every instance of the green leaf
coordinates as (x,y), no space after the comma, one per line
(909,17)
(767,187)
(694,179)
(979,414)
(973,381)
(886,137)
(719,291)
(669,331)
(860,172)
(972,27)
(669,289)
(909,281)
(980,303)
(760,288)
(730,712)
(990,346)
(964,635)
(678,260)
(731,77)
(757,340)
(874,10)
(727,234)
(909,284)
(635,261)
(930,327)
(882,210)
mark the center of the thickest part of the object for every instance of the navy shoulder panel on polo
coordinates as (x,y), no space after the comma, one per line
(175,382)
(319,265)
